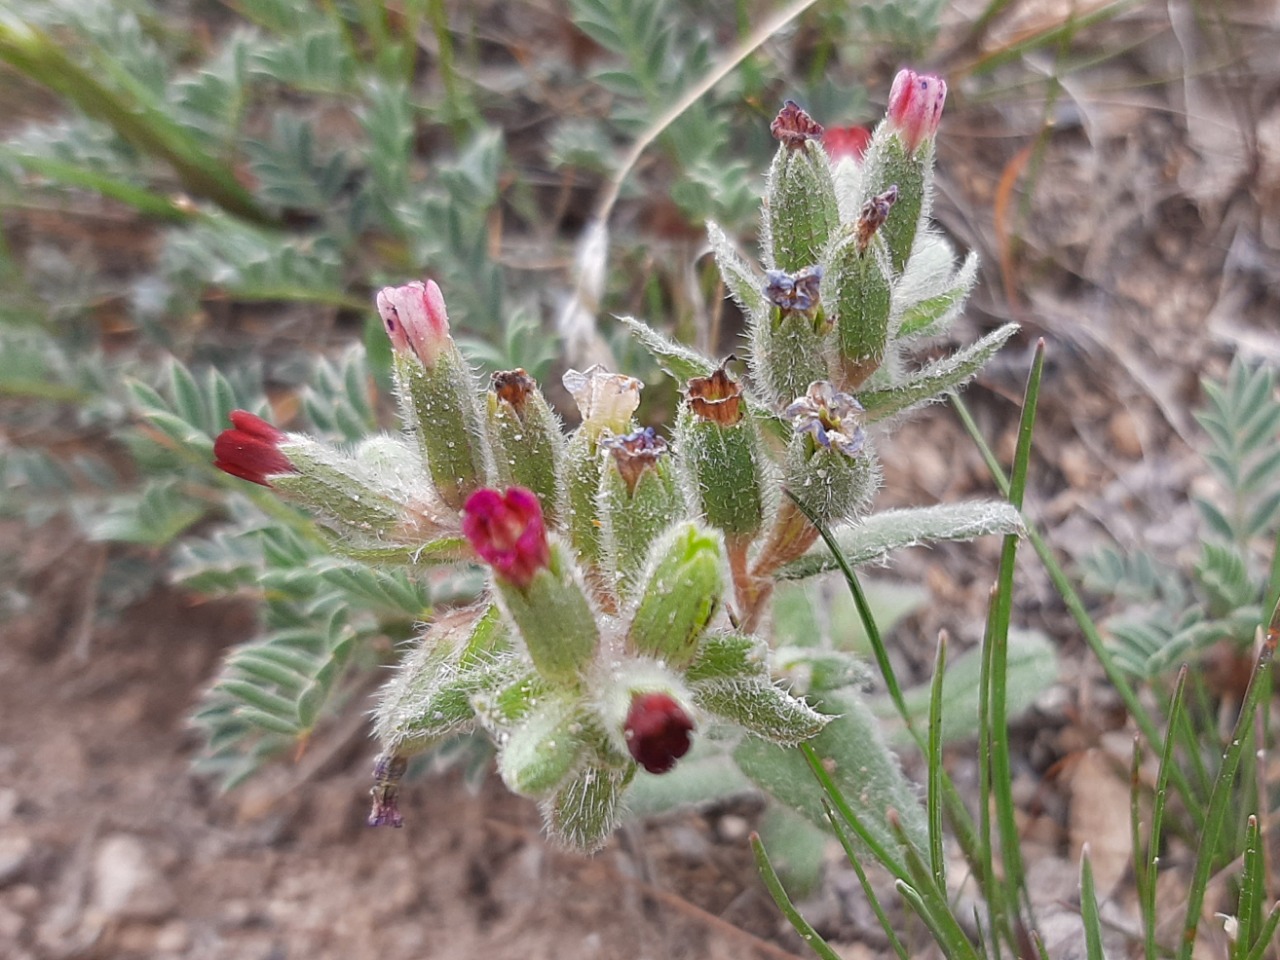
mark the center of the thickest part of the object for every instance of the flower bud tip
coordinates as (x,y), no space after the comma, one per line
(915,106)
(657,731)
(508,533)
(251,449)
(415,319)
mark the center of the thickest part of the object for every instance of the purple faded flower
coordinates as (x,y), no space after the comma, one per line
(415,319)
(251,449)
(833,419)
(605,400)
(792,126)
(873,215)
(657,731)
(635,453)
(794,292)
(915,107)
(387,772)
(507,532)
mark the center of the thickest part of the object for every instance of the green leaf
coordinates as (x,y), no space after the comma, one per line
(760,708)
(860,763)
(872,539)
(675,359)
(928,384)
(932,315)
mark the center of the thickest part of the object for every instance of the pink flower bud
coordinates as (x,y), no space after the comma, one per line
(842,142)
(415,318)
(657,731)
(915,106)
(507,532)
(251,450)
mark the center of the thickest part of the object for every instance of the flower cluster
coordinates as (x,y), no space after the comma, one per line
(631,568)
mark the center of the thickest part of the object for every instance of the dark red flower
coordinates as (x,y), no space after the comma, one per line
(841,142)
(915,106)
(507,532)
(251,449)
(657,731)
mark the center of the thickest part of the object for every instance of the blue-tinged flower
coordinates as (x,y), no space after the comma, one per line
(831,418)
(794,292)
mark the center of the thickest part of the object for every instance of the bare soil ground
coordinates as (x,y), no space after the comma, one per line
(1150,253)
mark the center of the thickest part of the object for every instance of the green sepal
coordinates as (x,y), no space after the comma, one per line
(800,211)
(555,619)
(744,284)
(856,293)
(724,466)
(441,404)
(529,450)
(502,708)
(930,313)
(887,164)
(588,807)
(337,488)
(430,697)
(789,351)
(761,708)
(431,553)
(632,521)
(729,656)
(674,358)
(680,595)
(545,747)
(583,481)
(828,483)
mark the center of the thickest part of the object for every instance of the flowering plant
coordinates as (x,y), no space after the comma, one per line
(626,622)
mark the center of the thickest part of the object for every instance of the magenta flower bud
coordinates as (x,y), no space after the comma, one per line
(915,106)
(657,731)
(846,142)
(507,532)
(415,318)
(251,449)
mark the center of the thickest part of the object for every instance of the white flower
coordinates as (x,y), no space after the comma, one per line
(605,400)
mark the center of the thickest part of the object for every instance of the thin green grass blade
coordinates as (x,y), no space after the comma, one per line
(1089,910)
(933,787)
(917,903)
(1038,941)
(997,893)
(1249,907)
(843,836)
(940,918)
(959,815)
(1177,708)
(1001,615)
(1141,875)
(779,894)
(1220,799)
(1267,935)
(1075,606)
